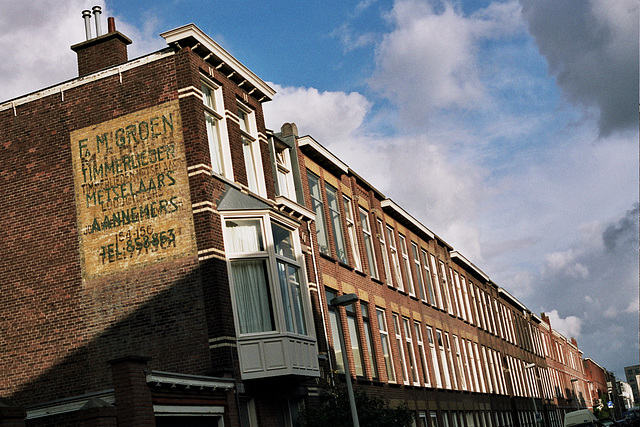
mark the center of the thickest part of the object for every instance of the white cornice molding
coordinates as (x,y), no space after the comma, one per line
(457,255)
(191,30)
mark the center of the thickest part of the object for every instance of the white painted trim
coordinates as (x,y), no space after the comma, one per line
(307,140)
(53,90)
(469,264)
(397,209)
(161,410)
(191,30)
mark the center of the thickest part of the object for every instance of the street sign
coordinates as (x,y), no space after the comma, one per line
(610,404)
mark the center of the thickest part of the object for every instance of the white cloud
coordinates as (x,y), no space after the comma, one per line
(430,60)
(37,36)
(570,326)
(326,116)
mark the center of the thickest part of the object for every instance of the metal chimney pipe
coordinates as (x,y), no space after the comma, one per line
(97,11)
(111,25)
(86,15)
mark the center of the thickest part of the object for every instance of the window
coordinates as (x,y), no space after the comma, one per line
(318,208)
(351,232)
(385,254)
(256,247)
(445,287)
(434,357)
(462,312)
(416,261)
(216,129)
(386,346)
(394,258)
(368,246)
(436,281)
(334,319)
(422,354)
(483,387)
(288,275)
(250,277)
(474,367)
(410,348)
(443,360)
(428,277)
(458,308)
(406,265)
(336,223)
(461,369)
(398,333)
(251,150)
(470,307)
(467,364)
(452,367)
(366,322)
(284,171)
(434,418)
(354,337)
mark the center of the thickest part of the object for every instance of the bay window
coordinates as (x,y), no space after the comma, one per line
(266,277)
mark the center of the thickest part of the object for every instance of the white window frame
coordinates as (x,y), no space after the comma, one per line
(367,238)
(462,377)
(251,150)
(386,344)
(318,207)
(413,363)
(395,259)
(351,232)
(416,261)
(423,356)
(284,171)
(436,281)
(434,357)
(214,111)
(407,265)
(447,343)
(273,260)
(398,334)
(429,278)
(443,359)
(385,254)
(335,220)
(445,287)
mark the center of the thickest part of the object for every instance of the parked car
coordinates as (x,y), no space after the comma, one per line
(581,418)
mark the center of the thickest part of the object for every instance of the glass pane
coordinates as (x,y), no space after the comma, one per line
(208,97)
(250,165)
(296,298)
(215,146)
(252,298)
(282,241)
(244,235)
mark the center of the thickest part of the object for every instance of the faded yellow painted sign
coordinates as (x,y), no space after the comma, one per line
(132,191)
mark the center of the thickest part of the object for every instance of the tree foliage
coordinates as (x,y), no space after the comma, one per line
(373,411)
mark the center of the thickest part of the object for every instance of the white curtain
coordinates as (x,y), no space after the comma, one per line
(252,296)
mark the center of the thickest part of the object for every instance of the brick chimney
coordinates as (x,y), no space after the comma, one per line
(102,51)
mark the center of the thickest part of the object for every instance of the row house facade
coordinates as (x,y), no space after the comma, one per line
(193,254)
(430,328)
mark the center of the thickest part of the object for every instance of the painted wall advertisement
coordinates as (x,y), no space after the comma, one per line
(132,191)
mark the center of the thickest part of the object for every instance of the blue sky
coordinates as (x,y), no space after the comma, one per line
(509,128)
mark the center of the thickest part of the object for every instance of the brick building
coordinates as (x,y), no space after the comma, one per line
(167,260)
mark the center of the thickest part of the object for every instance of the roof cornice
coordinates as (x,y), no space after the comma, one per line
(457,255)
(202,40)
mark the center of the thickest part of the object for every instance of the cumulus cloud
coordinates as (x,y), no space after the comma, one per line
(37,36)
(430,60)
(592,50)
(569,326)
(327,116)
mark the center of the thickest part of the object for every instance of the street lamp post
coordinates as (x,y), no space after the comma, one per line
(343,300)
(533,398)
